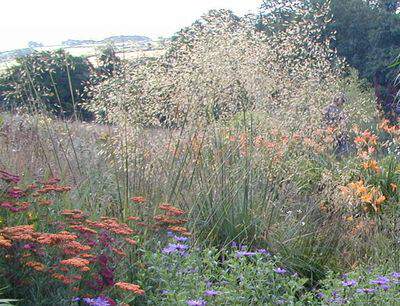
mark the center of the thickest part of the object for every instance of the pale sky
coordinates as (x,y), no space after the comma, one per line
(52,21)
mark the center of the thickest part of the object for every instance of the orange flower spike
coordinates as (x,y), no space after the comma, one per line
(130,287)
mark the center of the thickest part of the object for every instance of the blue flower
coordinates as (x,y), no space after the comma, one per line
(196,302)
(211,293)
(280,271)
(175,248)
(380,280)
(366,290)
(245,253)
(349,283)
(99,301)
(396,275)
(181,239)
(263,251)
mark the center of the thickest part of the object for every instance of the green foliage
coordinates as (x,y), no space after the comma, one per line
(50,81)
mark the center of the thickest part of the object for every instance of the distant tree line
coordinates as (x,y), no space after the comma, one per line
(54,81)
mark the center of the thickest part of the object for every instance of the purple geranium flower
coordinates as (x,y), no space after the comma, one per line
(349,283)
(175,248)
(396,275)
(320,295)
(263,251)
(385,287)
(99,301)
(181,239)
(366,290)
(196,302)
(280,271)
(211,293)
(380,280)
(245,253)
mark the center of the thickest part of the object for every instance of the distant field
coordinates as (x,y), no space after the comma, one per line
(91,51)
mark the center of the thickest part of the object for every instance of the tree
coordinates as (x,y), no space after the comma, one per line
(108,61)
(366,35)
(51,81)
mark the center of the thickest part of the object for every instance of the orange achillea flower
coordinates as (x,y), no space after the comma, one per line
(112,225)
(76,262)
(74,248)
(74,214)
(35,265)
(5,243)
(179,229)
(83,229)
(131,241)
(67,280)
(171,210)
(119,252)
(130,287)
(18,233)
(51,239)
(138,199)
(87,256)
(168,220)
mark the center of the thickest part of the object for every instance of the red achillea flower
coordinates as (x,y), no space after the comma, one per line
(15,193)
(51,181)
(138,199)
(130,287)
(45,202)
(131,241)
(16,207)
(8,177)
(133,218)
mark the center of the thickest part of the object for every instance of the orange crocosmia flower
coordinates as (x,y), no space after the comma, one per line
(359,140)
(130,287)
(378,202)
(393,186)
(373,165)
(366,198)
(138,199)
